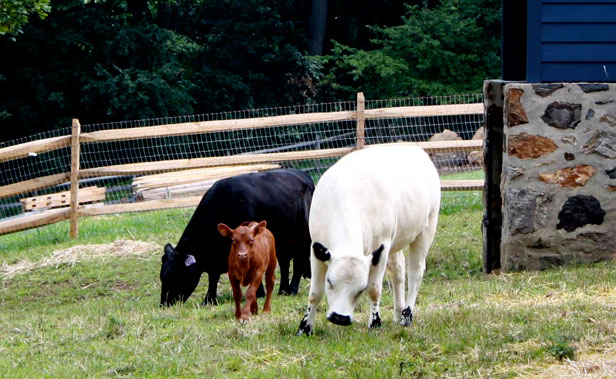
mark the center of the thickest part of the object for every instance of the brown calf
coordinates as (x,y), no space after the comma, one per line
(253,254)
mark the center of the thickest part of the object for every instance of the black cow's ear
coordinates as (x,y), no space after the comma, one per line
(169,250)
(376,255)
(320,252)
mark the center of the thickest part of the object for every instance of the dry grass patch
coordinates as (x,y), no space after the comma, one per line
(75,254)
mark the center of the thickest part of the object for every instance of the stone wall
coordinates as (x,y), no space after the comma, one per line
(558,178)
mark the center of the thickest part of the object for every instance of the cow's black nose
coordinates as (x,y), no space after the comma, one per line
(339,319)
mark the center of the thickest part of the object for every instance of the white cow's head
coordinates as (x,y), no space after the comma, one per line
(346,279)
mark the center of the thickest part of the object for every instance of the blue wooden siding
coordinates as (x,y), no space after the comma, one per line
(571,41)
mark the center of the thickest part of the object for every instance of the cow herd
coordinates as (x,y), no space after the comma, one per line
(345,234)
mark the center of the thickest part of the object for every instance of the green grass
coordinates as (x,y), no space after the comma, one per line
(101,317)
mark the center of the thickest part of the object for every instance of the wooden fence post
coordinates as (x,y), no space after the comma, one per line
(74,178)
(361,120)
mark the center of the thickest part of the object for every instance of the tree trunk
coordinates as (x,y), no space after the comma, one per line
(316,27)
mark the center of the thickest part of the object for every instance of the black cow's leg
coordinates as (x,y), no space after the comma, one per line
(260,290)
(284,276)
(298,269)
(210,298)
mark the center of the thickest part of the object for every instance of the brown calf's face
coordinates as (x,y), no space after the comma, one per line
(242,238)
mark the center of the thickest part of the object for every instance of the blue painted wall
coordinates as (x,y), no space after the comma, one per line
(571,41)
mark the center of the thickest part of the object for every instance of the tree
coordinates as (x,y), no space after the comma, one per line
(14,13)
(448,49)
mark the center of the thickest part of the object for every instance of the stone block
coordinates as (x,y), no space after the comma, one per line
(528,146)
(563,115)
(578,211)
(516,115)
(569,177)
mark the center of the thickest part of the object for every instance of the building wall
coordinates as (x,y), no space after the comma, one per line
(558,178)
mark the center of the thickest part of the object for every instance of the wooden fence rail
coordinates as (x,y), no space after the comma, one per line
(77,210)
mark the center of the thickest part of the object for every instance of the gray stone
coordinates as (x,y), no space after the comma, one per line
(563,115)
(578,211)
(513,172)
(611,173)
(525,211)
(544,90)
(602,143)
(590,114)
(592,87)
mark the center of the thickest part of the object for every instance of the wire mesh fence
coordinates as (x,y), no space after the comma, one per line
(129,158)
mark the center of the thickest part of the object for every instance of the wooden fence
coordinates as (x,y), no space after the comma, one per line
(77,208)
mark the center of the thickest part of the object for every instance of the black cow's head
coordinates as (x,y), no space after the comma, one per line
(179,274)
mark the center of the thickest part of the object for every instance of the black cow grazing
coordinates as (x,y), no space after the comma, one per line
(281,197)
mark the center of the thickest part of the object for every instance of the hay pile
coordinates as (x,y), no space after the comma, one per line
(72,255)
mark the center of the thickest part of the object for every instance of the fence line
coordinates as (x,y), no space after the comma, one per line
(359,116)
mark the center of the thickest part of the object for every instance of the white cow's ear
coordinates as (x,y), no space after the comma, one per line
(376,255)
(321,252)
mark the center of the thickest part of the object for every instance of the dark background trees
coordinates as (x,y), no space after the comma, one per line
(112,60)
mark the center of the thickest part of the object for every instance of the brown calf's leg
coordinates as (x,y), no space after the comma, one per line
(237,296)
(270,281)
(251,297)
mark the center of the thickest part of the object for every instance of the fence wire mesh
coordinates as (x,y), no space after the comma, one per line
(129,187)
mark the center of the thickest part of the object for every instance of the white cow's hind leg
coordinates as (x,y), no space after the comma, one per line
(395,268)
(418,250)
(375,287)
(317,287)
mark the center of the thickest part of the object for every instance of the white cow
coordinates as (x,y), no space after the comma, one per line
(366,208)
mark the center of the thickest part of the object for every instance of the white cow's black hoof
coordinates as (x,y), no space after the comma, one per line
(407,317)
(376,321)
(304,328)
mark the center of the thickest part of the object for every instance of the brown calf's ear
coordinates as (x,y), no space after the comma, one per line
(260,227)
(225,231)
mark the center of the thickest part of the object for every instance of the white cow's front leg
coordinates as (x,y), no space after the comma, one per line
(418,250)
(396,268)
(375,287)
(317,287)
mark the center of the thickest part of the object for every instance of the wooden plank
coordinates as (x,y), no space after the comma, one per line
(40,146)
(34,220)
(75,177)
(33,184)
(462,185)
(425,110)
(99,209)
(361,120)
(146,167)
(62,199)
(214,126)
(264,122)
(442,146)
(175,178)
(173,192)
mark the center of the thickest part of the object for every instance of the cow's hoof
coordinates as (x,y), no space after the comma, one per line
(293,291)
(209,300)
(304,328)
(376,321)
(407,317)
(283,292)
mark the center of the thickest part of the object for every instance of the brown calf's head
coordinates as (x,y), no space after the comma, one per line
(242,237)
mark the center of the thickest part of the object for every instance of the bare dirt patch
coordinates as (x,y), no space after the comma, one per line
(75,254)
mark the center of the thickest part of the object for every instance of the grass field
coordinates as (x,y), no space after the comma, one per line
(99,315)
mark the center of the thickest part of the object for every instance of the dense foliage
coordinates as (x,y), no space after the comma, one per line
(111,60)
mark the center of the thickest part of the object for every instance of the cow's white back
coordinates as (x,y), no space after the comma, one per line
(381,196)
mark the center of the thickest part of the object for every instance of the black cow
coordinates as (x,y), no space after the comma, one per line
(281,197)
